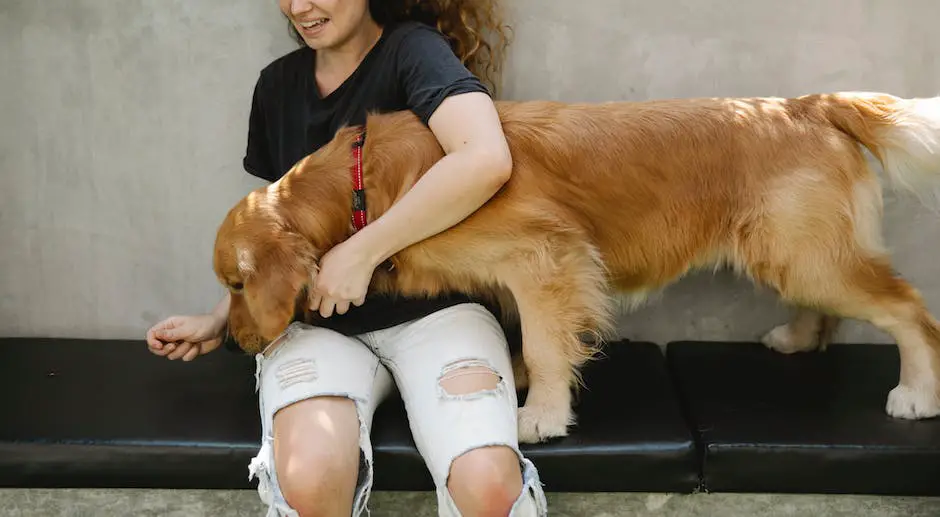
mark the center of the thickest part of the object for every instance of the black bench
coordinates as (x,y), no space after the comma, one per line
(109,414)
(706,416)
(810,422)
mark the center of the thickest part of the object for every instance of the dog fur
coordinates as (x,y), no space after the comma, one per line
(621,199)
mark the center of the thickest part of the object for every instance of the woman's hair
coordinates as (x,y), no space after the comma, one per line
(474,28)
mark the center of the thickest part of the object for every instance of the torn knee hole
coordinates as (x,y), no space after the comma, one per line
(468,377)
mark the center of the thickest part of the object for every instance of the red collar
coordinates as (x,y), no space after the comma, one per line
(359,195)
(359,219)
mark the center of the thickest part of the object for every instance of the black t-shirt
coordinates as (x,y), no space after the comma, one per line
(411,67)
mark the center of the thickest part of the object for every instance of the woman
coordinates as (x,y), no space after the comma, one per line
(449,358)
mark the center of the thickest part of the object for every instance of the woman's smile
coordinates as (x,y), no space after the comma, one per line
(313,26)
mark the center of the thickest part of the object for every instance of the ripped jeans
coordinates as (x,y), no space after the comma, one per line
(307,362)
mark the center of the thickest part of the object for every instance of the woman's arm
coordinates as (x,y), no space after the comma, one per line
(221,310)
(476,164)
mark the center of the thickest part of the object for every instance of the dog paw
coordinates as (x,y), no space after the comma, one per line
(539,423)
(782,339)
(912,404)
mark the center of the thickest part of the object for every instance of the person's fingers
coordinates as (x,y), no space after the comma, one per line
(207,346)
(176,329)
(342,307)
(315,301)
(162,351)
(326,307)
(192,353)
(166,349)
(152,342)
(360,301)
(160,329)
(159,335)
(180,351)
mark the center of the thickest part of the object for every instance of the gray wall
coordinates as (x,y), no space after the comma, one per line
(122,126)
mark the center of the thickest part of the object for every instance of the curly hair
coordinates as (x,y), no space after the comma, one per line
(475,29)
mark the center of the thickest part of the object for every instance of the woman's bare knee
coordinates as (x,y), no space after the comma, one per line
(486,481)
(316,455)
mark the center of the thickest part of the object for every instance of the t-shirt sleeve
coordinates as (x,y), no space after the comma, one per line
(429,71)
(257,159)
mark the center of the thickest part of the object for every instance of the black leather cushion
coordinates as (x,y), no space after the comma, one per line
(102,413)
(111,414)
(811,422)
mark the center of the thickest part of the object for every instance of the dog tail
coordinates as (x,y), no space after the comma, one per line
(904,134)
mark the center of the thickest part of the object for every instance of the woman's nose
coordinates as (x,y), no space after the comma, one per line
(300,6)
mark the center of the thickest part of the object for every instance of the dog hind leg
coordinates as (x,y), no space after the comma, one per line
(847,280)
(818,244)
(806,331)
(870,291)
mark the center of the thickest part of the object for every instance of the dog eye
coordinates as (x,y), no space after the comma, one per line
(237,286)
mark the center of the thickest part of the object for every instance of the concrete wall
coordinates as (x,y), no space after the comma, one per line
(122,126)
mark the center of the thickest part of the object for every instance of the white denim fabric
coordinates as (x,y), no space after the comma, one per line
(306,362)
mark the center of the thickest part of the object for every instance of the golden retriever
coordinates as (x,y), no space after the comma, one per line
(617,199)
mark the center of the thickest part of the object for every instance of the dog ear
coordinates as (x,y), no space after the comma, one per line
(277,272)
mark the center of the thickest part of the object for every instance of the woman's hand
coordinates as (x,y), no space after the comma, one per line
(186,337)
(343,278)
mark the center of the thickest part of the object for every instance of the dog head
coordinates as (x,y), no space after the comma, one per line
(266,265)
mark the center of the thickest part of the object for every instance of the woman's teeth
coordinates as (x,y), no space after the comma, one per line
(313,23)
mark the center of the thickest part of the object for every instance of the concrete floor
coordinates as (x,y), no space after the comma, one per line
(186,503)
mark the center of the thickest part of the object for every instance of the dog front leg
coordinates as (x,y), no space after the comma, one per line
(564,298)
(547,411)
